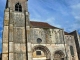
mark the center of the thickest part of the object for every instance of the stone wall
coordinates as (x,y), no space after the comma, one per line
(14,43)
(70,41)
(47,35)
(52,39)
(50,49)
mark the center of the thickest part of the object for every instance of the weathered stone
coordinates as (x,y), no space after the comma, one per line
(5,34)
(23,48)
(6,16)
(11,56)
(17,47)
(18,35)
(6,22)
(11,33)
(5,48)
(24,56)
(19,20)
(4,56)
(11,45)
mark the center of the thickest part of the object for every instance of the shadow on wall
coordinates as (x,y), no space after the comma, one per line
(0,56)
(79,53)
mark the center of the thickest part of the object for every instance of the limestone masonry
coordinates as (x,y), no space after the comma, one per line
(30,40)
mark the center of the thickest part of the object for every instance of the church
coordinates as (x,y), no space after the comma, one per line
(31,40)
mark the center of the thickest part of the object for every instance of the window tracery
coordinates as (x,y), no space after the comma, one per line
(18,7)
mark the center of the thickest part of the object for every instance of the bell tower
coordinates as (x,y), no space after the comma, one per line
(15,30)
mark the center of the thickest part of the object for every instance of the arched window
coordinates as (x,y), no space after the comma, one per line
(18,7)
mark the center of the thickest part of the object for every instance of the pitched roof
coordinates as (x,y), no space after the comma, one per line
(44,25)
(66,33)
(41,24)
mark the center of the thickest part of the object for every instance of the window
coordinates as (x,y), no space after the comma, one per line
(70,37)
(72,51)
(18,7)
(39,40)
(38,52)
(67,37)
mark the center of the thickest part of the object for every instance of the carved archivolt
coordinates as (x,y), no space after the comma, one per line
(59,54)
(44,49)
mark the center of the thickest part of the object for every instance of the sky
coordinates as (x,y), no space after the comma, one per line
(64,14)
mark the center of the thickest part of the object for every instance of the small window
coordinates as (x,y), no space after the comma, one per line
(18,7)
(39,40)
(70,37)
(72,51)
(38,52)
(67,37)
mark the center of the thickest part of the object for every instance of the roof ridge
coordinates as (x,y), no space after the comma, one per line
(38,21)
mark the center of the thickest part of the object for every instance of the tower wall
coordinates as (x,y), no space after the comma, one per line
(11,4)
(15,31)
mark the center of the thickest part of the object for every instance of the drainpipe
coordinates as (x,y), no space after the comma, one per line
(26,37)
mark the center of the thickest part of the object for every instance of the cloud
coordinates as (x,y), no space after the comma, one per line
(1,22)
(76,13)
(0,40)
(76,10)
(33,19)
(1,31)
(49,20)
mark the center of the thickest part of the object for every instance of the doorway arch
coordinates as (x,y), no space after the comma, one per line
(59,55)
(44,55)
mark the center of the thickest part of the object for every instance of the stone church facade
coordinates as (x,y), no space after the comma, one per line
(30,40)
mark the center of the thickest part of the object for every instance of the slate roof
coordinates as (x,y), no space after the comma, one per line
(44,25)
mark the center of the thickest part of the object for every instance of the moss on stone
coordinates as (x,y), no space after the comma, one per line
(46,28)
(52,30)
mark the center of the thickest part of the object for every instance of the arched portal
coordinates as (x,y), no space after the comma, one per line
(59,55)
(41,52)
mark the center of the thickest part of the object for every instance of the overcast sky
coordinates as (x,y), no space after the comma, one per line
(63,14)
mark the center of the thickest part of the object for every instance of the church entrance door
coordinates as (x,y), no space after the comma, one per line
(41,53)
(59,55)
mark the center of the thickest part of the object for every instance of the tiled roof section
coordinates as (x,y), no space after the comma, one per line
(44,25)
(66,33)
(41,24)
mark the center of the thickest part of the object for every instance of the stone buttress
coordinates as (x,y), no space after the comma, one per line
(15,31)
